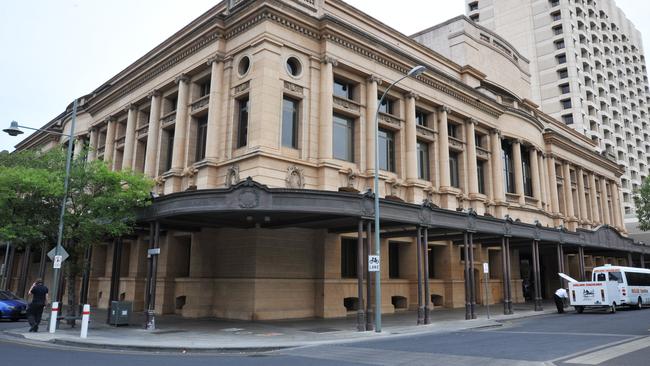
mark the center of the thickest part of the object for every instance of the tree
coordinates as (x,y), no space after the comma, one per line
(101,204)
(642,201)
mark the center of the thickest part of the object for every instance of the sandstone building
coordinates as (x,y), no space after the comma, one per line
(256,121)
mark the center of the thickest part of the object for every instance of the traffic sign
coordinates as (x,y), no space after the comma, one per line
(58,259)
(486,268)
(64,255)
(373,263)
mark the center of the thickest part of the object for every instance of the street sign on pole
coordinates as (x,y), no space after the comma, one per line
(62,253)
(58,259)
(373,263)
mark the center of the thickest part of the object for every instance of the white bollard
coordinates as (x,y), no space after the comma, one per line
(55,314)
(85,316)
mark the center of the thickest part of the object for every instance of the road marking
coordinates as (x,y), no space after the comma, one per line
(609,353)
(566,333)
(374,356)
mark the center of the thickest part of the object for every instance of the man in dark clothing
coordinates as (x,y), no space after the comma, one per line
(559,297)
(39,300)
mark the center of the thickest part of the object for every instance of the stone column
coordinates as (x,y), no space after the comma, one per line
(603,201)
(543,180)
(92,146)
(326,103)
(371,110)
(109,145)
(443,149)
(535,176)
(582,198)
(498,191)
(617,220)
(214,134)
(180,129)
(519,176)
(472,169)
(593,197)
(552,176)
(153,132)
(568,194)
(78,145)
(411,139)
(129,138)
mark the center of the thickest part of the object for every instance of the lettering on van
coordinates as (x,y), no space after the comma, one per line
(586,293)
(639,291)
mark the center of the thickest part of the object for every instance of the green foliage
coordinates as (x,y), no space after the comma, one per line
(642,200)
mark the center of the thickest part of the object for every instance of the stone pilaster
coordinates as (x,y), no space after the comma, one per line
(552,176)
(498,190)
(411,139)
(326,103)
(519,176)
(109,146)
(214,132)
(603,201)
(617,215)
(443,148)
(543,180)
(472,169)
(593,197)
(180,129)
(371,111)
(129,138)
(534,170)
(582,198)
(568,194)
(92,146)
(153,132)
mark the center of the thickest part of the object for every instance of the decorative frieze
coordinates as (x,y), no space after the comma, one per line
(456,143)
(199,104)
(142,131)
(482,153)
(295,88)
(424,131)
(169,118)
(346,104)
(390,120)
(242,87)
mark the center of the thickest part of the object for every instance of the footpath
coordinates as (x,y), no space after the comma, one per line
(176,334)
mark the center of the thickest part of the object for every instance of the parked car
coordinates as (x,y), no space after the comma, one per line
(12,307)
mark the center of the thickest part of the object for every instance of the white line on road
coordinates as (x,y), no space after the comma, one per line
(609,353)
(564,333)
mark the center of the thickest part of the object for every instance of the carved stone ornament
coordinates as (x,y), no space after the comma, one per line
(329,60)
(295,177)
(232,175)
(213,59)
(352,178)
(445,109)
(159,180)
(154,93)
(394,187)
(412,95)
(249,198)
(190,171)
(182,78)
(374,79)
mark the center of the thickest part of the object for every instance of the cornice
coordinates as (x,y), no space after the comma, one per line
(566,144)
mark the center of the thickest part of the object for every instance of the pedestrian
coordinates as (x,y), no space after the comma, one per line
(559,297)
(39,300)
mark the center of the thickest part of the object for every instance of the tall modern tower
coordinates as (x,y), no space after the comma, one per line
(587,69)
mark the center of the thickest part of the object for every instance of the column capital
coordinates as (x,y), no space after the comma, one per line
(182,78)
(110,119)
(472,121)
(445,109)
(329,60)
(412,95)
(154,93)
(517,141)
(374,79)
(215,58)
(129,107)
(495,131)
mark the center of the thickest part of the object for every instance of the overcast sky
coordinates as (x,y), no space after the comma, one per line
(54,51)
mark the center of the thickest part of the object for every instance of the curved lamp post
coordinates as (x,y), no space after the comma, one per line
(14,130)
(417,70)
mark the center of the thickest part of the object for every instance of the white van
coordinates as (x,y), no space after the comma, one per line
(611,286)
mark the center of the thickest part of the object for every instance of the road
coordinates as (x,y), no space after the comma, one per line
(621,339)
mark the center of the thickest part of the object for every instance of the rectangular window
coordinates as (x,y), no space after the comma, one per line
(290,110)
(169,151)
(423,161)
(508,166)
(343,138)
(387,106)
(564,89)
(204,88)
(557,30)
(480,171)
(554,3)
(432,262)
(527,171)
(556,16)
(563,74)
(343,89)
(243,108)
(566,103)
(452,130)
(561,59)
(201,137)
(386,150)
(473,6)
(559,44)
(393,260)
(421,117)
(567,119)
(454,176)
(348,258)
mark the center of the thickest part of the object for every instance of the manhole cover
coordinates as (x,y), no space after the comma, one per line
(320,330)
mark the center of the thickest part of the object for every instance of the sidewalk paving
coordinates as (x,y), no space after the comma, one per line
(177,334)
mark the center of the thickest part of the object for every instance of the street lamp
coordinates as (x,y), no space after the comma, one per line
(417,70)
(14,130)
